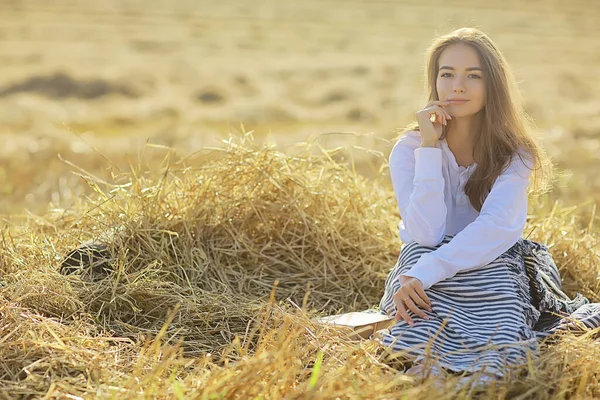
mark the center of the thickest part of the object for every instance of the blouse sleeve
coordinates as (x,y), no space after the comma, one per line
(418,182)
(498,227)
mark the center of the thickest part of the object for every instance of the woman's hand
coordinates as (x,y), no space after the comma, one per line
(410,296)
(430,120)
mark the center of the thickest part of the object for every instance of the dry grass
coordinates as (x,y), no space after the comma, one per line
(221,258)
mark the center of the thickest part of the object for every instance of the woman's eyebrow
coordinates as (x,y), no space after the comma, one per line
(466,69)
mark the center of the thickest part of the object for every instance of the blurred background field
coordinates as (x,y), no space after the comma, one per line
(99,103)
(80,75)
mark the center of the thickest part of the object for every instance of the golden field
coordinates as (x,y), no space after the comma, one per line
(118,115)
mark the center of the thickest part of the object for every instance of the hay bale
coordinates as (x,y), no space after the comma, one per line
(218,235)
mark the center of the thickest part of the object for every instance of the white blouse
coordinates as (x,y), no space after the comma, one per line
(429,187)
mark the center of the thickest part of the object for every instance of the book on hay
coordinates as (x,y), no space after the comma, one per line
(361,324)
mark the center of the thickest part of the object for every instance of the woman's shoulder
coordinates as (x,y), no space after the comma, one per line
(405,145)
(521,163)
(410,138)
(411,133)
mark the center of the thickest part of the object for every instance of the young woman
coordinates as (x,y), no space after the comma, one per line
(467,289)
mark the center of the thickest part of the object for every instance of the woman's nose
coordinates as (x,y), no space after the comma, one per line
(459,85)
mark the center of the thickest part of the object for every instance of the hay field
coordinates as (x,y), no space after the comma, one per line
(113,115)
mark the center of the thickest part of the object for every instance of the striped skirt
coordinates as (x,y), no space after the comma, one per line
(488,318)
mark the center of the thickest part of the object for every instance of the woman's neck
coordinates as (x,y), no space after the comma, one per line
(461,137)
(464,130)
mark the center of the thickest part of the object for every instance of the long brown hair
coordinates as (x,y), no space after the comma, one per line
(506,129)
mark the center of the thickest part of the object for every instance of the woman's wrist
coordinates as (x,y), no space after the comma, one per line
(428,143)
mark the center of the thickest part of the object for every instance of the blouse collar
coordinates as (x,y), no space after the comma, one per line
(452,159)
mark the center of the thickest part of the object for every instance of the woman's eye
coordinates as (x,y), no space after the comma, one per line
(474,75)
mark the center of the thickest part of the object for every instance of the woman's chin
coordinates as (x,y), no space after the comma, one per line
(457,115)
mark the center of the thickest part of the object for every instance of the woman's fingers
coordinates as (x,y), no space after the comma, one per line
(401,313)
(431,108)
(440,114)
(411,296)
(425,302)
(445,113)
(400,307)
(403,306)
(440,104)
(442,118)
(432,119)
(410,304)
(420,302)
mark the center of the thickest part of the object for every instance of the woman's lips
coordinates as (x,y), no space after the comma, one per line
(458,101)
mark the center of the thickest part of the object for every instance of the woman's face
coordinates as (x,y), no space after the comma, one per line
(460,76)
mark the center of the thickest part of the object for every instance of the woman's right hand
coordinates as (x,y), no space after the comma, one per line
(409,297)
(432,130)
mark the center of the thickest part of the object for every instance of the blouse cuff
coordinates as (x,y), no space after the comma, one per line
(428,163)
(421,275)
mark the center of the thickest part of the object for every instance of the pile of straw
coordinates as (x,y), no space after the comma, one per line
(219,261)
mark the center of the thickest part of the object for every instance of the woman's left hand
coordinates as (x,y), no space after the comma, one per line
(410,296)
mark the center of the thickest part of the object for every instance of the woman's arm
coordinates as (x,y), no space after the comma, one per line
(418,182)
(498,227)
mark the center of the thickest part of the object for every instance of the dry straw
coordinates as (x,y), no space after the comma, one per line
(218,262)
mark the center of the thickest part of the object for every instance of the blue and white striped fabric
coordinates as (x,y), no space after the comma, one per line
(486,318)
